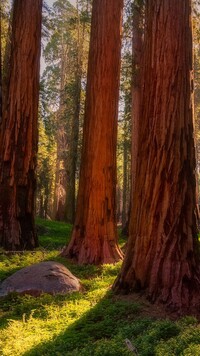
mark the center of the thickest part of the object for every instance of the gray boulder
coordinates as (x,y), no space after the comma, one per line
(45,277)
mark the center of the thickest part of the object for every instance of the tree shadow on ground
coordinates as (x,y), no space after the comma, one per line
(103,330)
(99,325)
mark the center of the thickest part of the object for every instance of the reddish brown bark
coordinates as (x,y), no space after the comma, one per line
(0,69)
(94,237)
(137,45)
(19,140)
(162,254)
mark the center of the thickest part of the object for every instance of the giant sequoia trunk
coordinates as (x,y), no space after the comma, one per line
(94,237)
(0,69)
(162,254)
(19,140)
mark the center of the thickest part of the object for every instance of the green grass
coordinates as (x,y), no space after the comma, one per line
(93,322)
(55,235)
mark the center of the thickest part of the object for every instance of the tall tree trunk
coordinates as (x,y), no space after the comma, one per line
(62,143)
(72,159)
(94,237)
(125,180)
(41,206)
(137,45)
(162,253)
(119,204)
(0,66)
(19,143)
(126,159)
(73,150)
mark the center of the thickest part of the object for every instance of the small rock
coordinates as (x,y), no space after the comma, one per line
(45,277)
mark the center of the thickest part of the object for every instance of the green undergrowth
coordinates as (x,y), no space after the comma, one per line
(93,322)
(53,234)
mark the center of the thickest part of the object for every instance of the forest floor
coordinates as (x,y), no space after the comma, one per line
(93,322)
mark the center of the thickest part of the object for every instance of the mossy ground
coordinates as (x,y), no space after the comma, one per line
(91,323)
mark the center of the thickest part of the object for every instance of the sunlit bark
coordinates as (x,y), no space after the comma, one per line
(94,238)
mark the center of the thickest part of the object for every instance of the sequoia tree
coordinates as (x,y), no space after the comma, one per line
(18,145)
(0,71)
(137,45)
(162,254)
(94,237)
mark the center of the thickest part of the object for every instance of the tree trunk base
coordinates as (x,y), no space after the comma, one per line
(18,234)
(183,298)
(88,253)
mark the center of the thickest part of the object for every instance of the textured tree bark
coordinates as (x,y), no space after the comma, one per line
(0,70)
(19,141)
(94,237)
(162,255)
(137,46)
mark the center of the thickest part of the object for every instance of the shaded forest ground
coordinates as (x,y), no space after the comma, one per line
(91,323)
